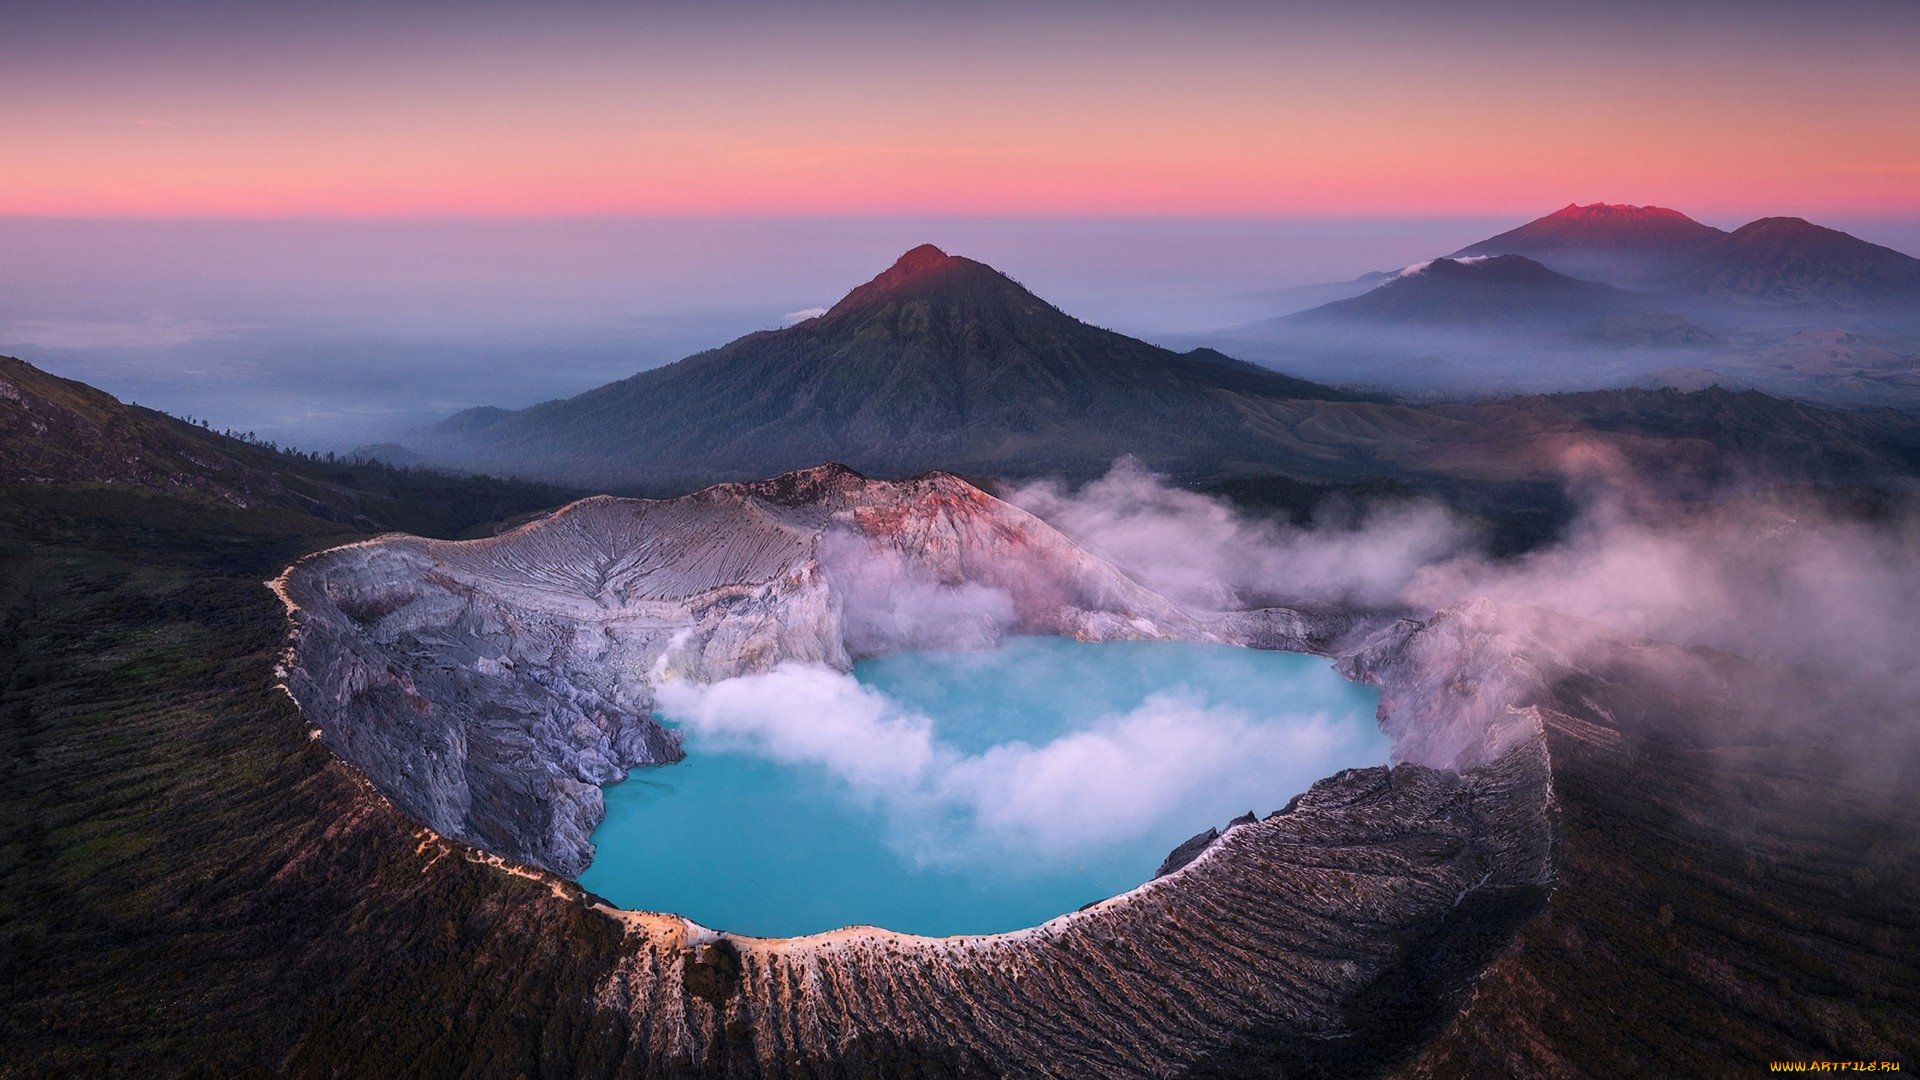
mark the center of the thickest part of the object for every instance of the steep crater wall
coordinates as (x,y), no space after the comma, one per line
(488,687)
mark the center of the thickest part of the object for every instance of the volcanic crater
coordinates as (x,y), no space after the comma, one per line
(489,687)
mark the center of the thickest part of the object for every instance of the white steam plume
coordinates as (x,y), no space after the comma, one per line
(1779,576)
(1199,550)
(1174,760)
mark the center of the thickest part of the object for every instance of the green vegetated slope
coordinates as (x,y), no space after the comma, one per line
(55,430)
(187,881)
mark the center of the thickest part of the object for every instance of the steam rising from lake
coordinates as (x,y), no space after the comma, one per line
(1122,775)
(1199,550)
(965,792)
(1786,573)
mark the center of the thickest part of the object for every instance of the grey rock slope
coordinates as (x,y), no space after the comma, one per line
(489,686)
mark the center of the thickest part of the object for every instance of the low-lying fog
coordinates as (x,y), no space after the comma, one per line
(328,335)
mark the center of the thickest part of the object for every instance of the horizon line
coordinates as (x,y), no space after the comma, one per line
(1178,216)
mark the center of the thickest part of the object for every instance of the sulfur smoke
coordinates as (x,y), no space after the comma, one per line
(1797,578)
(1788,574)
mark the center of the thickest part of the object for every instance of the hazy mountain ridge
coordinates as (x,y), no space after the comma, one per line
(1475,290)
(1603,241)
(1504,294)
(942,362)
(1772,260)
(1792,261)
(1692,302)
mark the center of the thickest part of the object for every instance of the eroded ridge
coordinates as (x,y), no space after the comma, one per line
(1281,925)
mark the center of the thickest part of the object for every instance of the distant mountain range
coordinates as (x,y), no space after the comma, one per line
(943,362)
(1611,295)
(1471,290)
(1603,242)
(1775,260)
(1790,261)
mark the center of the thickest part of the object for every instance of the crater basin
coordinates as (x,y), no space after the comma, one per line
(963,793)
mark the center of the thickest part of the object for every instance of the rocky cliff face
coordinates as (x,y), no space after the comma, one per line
(487,686)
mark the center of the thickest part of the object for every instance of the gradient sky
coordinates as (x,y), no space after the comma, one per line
(1722,109)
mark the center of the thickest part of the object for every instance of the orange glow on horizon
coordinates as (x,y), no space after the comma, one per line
(1288,120)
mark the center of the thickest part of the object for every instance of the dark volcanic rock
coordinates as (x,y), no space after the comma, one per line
(1188,851)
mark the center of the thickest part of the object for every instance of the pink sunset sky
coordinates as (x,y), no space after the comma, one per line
(360,110)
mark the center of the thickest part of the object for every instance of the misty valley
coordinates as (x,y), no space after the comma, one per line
(965,793)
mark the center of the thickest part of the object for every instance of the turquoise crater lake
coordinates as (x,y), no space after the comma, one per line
(962,793)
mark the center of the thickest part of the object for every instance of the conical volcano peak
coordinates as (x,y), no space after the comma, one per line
(922,262)
(924,257)
(928,271)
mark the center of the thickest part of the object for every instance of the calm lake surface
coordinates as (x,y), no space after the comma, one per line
(1043,776)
